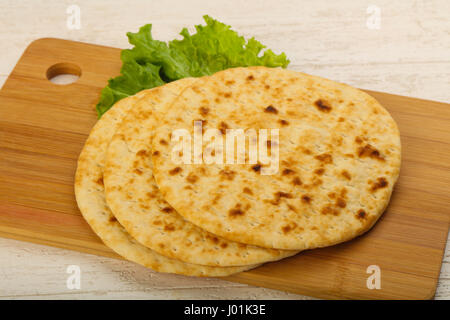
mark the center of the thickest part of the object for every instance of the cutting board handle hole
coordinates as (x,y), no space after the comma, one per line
(63,73)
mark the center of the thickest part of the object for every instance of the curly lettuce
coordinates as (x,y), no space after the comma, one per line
(151,63)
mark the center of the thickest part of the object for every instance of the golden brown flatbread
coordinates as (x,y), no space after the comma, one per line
(339,158)
(135,200)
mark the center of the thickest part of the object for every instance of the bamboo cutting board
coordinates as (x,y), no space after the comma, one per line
(43,127)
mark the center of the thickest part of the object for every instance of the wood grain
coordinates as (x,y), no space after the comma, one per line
(43,127)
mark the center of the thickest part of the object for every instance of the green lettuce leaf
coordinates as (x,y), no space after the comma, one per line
(151,63)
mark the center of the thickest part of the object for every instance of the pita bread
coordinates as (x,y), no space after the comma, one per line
(90,197)
(135,200)
(339,158)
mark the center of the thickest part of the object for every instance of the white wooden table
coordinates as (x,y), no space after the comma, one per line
(407,53)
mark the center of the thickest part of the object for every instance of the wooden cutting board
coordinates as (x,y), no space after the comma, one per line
(43,127)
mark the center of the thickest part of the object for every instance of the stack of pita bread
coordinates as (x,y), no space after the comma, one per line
(338,160)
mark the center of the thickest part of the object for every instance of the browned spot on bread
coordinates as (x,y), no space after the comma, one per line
(112,219)
(248,191)
(292,208)
(99,181)
(322,105)
(283,122)
(204,111)
(337,141)
(167,209)
(256,168)
(296,181)
(358,140)
(216,198)
(346,175)
(227,174)
(175,170)
(349,155)
(163,142)
(341,203)
(223,245)
(236,211)
(227,95)
(380,183)
(250,77)
(142,153)
(306,151)
(306,198)
(157,222)
(161,245)
(229,82)
(212,238)
(169,227)
(150,195)
(329,210)
(361,214)
(138,171)
(341,119)
(278,196)
(144,206)
(156,153)
(324,157)
(287,171)
(369,151)
(332,195)
(217,100)
(191,178)
(292,113)
(316,182)
(288,228)
(223,127)
(267,87)
(281,194)
(271,109)
(319,171)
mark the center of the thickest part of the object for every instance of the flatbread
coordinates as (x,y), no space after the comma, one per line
(339,158)
(89,191)
(135,200)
